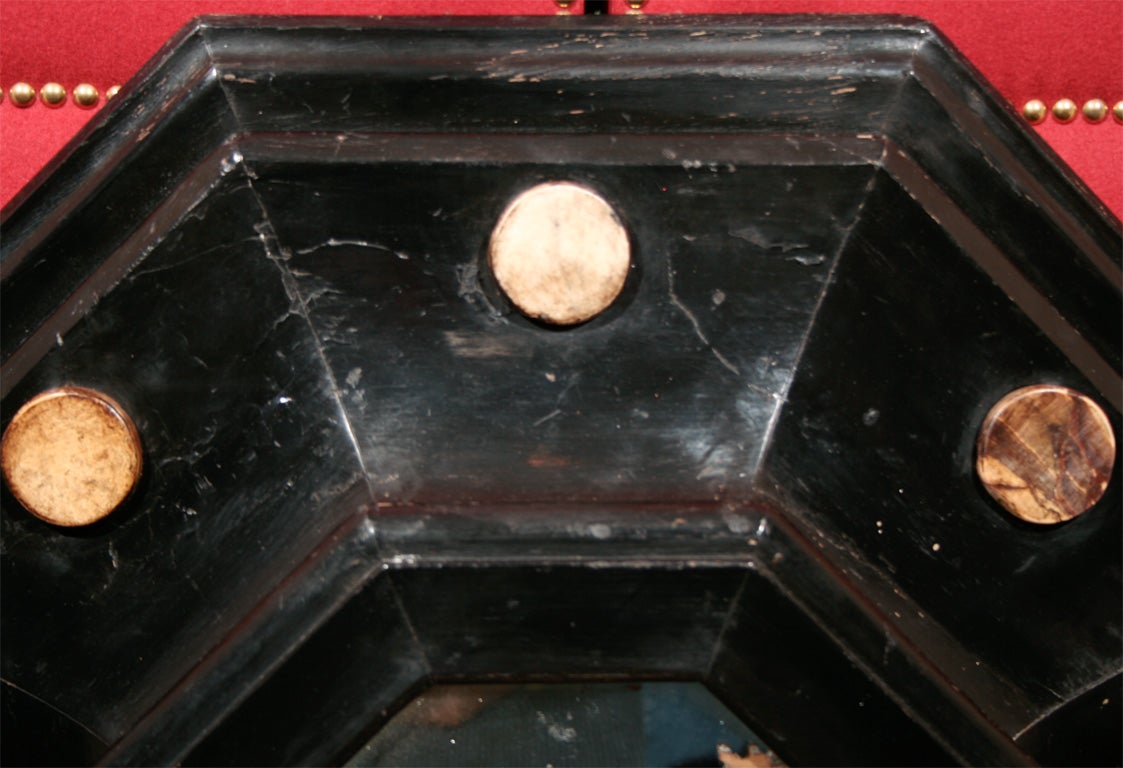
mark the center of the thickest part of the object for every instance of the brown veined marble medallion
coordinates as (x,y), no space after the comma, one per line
(1046,453)
(71,455)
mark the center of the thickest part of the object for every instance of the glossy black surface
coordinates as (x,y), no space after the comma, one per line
(923,518)
(57,739)
(365,474)
(1084,731)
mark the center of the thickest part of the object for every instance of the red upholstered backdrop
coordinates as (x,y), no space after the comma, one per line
(1029,49)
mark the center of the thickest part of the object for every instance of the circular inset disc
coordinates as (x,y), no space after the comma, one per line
(559,253)
(1046,453)
(71,456)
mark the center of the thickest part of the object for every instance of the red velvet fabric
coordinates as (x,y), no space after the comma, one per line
(104,42)
(1045,49)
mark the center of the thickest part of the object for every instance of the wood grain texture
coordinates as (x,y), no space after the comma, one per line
(560,253)
(1046,453)
(71,456)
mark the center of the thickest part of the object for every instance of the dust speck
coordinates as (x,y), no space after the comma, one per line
(600,531)
(562,733)
(809,259)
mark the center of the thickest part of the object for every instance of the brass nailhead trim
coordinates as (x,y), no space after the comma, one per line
(85,95)
(53,95)
(22,94)
(1095,110)
(1035,111)
(1065,111)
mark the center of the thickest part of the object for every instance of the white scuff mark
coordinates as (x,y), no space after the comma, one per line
(58,339)
(191,257)
(736,524)
(550,377)
(468,288)
(299,307)
(552,414)
(809,259)
(340,140)
(335,242)
(477,345)
(694,321)
(755,236)
(557,730)
(354,376)
(600,531)
(711,469)
(568,386)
